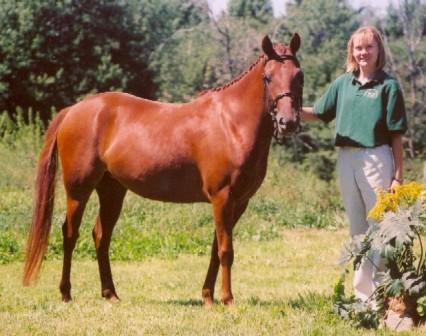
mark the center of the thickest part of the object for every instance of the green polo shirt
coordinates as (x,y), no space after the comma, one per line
(366,115)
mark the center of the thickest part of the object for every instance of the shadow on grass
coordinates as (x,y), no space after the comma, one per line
(309,301)
(186,303)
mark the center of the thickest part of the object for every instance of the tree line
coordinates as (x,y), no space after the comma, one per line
(55,52)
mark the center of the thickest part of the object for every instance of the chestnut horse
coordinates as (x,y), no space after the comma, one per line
(212,149)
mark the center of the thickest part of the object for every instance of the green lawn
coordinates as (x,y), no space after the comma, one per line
(281,286)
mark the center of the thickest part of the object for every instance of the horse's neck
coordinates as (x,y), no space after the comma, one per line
(250,93)
(245,109)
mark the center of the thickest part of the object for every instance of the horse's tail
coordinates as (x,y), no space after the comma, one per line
(43,202)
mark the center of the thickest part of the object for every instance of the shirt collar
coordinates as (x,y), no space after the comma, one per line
(378,78)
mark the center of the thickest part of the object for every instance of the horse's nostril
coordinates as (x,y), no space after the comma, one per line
(290,126)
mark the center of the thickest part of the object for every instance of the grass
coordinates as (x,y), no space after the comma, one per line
(282,287)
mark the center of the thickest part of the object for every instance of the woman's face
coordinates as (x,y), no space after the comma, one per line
(365,51)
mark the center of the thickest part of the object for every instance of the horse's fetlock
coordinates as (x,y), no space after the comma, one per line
(65,289)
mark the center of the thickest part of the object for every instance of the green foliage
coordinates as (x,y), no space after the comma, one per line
(9,248)
(20,143)
(260,10)
(421,306)
(393,238)
(190,66)
(321,164)
(358,313)
(58,51)
(405,28)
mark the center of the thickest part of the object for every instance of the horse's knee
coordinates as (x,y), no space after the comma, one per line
(226,257)
(70,235)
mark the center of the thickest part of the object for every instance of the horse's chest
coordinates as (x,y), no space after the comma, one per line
(249,180)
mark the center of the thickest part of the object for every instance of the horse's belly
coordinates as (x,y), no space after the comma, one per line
(180,186)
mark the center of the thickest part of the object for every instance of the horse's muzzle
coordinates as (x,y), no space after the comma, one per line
(288,127)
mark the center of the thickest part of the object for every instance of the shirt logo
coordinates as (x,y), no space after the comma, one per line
(371,93)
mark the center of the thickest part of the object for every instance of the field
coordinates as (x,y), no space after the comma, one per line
(286,247)
(282,287)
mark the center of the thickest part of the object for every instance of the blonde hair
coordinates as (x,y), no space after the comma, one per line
(351,64)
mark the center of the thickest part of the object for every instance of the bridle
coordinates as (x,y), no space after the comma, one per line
(272,109)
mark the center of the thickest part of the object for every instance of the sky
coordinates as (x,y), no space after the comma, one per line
(279,5)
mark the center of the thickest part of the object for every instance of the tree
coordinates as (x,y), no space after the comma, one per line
(260,10)
(179,41)
(54,52)
(405,27)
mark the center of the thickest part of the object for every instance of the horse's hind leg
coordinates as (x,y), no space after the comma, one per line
(76,202)
(209,283)
(111,195)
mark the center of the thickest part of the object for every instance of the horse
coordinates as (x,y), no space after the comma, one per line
(213,149)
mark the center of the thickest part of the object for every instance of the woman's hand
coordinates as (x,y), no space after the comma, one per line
(395,183)
(307,114)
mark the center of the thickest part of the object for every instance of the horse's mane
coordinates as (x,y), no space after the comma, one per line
(234,80)
(281,49)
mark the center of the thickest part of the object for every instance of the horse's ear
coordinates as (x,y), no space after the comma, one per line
(268,48)
(295,43)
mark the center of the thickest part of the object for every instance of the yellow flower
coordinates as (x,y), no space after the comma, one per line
(404,195)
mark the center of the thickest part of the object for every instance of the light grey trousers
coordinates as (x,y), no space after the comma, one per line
(361,172)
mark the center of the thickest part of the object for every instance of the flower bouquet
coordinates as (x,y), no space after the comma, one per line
(396,235)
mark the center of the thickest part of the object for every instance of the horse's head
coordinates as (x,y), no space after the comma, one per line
(284,85)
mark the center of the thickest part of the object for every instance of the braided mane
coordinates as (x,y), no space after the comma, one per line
(281,49)
(233,81)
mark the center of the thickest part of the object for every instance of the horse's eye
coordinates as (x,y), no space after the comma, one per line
(267,78)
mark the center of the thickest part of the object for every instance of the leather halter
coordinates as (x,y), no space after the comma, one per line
(278,135)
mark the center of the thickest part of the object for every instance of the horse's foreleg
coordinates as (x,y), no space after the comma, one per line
(75,209)
(223,209)
(111,195)
(209,283)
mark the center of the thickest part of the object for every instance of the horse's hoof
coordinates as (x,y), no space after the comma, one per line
(66,298)
(114,299)
(110,295)
(207,295)
(228,301)
(208,302)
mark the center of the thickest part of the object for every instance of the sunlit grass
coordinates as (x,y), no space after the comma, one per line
(281,287)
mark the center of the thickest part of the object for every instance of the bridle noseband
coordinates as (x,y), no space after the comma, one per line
(297,99)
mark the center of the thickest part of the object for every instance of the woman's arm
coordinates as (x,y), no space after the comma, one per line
(398,155)
(307,114)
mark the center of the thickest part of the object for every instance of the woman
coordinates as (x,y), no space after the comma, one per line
(370,120)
